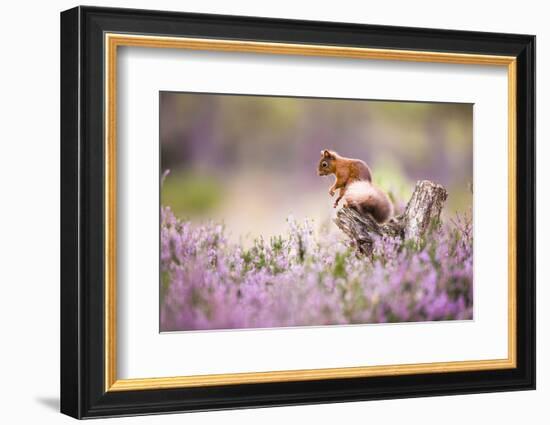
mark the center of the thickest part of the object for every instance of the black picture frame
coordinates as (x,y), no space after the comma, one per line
(83,392)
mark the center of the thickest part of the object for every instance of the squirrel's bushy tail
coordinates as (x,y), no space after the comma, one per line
(367,198)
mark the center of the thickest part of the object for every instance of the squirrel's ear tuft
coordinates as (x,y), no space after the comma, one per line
(327,154)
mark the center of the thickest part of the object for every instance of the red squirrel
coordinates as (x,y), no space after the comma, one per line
(354,180)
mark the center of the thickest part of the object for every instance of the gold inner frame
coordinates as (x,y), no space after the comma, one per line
(113,41)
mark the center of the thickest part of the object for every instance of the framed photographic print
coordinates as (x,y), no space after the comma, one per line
(261,212)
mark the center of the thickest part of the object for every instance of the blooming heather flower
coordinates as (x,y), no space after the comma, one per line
(300,280)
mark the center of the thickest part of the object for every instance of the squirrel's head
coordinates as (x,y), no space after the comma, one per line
(326,163)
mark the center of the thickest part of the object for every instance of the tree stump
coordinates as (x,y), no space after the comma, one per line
(422,210)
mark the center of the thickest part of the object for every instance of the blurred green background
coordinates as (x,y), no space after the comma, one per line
(251,161)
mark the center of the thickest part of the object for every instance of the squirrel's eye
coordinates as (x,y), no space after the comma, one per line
(325,164)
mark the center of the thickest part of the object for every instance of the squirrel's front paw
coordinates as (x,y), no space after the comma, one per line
(335,204)
(331,192)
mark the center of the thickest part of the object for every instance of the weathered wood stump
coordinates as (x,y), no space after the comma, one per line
(422,210)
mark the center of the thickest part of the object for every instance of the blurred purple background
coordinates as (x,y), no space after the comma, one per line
(250,161)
